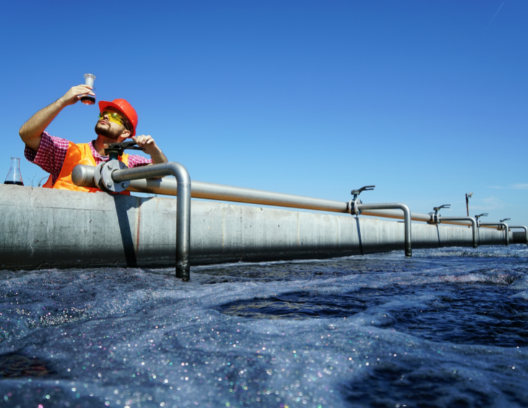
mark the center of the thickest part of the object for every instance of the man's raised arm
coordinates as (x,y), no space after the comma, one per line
(31,131)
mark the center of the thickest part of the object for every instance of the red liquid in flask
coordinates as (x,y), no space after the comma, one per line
(87,100)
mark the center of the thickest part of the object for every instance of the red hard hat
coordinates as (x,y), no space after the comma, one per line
(123,107)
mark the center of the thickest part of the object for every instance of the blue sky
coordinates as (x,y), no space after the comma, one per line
(425,99)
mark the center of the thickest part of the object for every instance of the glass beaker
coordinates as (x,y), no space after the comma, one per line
(89,99)
(13,175)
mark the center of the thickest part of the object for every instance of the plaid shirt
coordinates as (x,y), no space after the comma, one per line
(52,152)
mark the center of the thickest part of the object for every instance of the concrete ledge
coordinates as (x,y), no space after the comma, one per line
(42,228)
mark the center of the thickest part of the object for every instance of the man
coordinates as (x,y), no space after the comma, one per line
(57,156)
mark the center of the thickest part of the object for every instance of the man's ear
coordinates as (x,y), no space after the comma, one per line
(126,134)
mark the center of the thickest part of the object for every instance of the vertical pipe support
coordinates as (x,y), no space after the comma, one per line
(406,215)
(473,223)
(507,232)
(524,228)
(183,210)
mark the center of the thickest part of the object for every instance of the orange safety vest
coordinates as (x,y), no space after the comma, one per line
(77,154)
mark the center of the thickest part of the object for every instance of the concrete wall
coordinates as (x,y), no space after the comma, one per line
(41,228)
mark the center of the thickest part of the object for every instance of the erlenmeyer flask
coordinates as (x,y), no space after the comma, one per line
(89,99)
(14,176)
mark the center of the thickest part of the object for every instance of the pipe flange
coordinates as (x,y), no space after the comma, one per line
(435,219)
(432,219)
(97,176)
(106,181)
(353,206)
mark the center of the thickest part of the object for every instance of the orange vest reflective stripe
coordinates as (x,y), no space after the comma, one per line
(77,154)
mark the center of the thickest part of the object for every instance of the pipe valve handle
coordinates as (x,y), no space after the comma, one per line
(447,206)
(365,188)
(114,150)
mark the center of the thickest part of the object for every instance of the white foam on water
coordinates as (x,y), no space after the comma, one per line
(140,338)
(521,283)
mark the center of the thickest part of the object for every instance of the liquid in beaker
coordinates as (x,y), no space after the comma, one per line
(13,175)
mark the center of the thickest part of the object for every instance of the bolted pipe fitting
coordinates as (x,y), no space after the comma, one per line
(435,216)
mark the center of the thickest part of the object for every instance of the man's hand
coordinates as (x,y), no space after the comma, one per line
(150,147)
(74,93)
(147,143)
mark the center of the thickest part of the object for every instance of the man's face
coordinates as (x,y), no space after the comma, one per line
(109,129)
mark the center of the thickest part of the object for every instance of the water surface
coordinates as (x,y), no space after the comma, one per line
(446,328)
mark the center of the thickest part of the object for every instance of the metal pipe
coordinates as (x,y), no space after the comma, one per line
(219,192)
(83,176)
(200,189)
(183,210)
(523,227)
(406,217)
(473,223)
(503,225)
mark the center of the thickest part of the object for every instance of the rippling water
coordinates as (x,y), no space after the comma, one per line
(447,328)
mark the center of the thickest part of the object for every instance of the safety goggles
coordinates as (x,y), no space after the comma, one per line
(112,117)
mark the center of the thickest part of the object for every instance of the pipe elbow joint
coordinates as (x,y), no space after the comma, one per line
(180,172)
(406,210)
